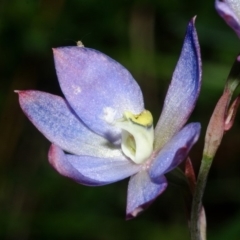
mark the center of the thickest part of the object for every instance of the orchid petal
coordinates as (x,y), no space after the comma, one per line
(142,192)
(175,151)
(59,124)
(98,88)
(183,90)
(229,10)
(91,171)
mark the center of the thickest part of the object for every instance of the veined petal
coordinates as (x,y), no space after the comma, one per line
(98,88)
(229,10)
(91,171)
(175,151)
(142,192)
(183,90)
(59,124)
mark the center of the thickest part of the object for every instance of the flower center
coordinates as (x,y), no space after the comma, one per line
(137,135)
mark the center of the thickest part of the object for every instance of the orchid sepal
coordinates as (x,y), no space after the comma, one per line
(89,170)
(87,75)
(183,91)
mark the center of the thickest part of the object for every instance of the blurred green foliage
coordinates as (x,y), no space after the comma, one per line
(146,37)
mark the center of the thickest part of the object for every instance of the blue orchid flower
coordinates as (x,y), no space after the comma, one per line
(229,10)
(101,132)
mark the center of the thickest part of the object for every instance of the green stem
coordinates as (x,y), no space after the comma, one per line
(217,126)
(213,139)
(195,225)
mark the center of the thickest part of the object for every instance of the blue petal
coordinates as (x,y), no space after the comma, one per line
(60,125)
(91,171)
(175,151)
(183,90)
(98,88)
(142,192)
(229,10)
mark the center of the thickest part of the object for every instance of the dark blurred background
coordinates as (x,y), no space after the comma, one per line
(146,37)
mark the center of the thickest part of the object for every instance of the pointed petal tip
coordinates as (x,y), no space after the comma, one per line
(61,53)
(21,92)
(26,96)
(142,192)
(57,51)
(141,208)
(193,20)
(62,49)
(192,34)
(183,91)
(191,24)
(23,95)
(135,213)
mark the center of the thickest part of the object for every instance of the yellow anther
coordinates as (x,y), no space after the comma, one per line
(144,118)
